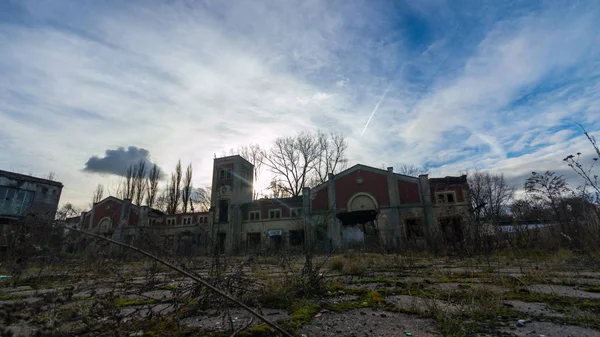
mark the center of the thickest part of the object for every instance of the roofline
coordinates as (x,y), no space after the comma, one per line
(235,156)
(366,167)
(31,178)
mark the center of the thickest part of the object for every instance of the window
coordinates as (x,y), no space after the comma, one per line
(151,222)
(203,219)
(14,201)
(187,220)
(445,197)
(275,214)
(296,238)
(171,221)
(295,212)
(225,174)
(254,215)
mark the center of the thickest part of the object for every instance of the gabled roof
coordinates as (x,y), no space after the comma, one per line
(364,168)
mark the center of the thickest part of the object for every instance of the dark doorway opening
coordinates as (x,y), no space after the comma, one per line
(253,241)
(276,242)
(452,230)
(223,211)
(360,230)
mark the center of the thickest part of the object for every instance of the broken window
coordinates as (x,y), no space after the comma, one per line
(295,212)
(225,173)
(445,197)
(296,238)
(275,214)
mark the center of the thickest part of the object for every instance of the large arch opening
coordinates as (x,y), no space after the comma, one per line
(359,222)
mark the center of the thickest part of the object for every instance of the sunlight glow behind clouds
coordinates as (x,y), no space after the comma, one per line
(491,89)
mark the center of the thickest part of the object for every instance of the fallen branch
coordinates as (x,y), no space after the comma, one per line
(188,274)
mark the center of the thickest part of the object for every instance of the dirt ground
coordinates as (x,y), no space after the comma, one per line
(360,295)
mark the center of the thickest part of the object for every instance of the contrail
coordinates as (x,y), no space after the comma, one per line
(375,110)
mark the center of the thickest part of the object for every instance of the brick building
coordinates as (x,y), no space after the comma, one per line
(360,208)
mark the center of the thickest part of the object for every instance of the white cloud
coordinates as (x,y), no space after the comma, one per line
(187,81)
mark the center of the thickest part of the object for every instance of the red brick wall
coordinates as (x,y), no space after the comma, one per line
(110,209)
(373,183)
(321,201)
(408,192)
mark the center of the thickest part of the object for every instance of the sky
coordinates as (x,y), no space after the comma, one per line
(87,87)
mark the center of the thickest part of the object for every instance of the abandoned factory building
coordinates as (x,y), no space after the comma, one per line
(359,208)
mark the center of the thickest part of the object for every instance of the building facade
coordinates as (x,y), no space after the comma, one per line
(362,208)
(22,195)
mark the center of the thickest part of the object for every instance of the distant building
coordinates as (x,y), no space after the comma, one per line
(22,195)
(361,208)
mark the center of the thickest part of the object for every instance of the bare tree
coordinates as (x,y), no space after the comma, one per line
(331,156)
(127,188)
(278,189)
(292,160)
(412,170)
(50,176)
(152,185)
(98,194)
(161,202)
(201,197)
(139,182)
(490,195)
(67,211)
(550,189)
(174,190)
(187,188)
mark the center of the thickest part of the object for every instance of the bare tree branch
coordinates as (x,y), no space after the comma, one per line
(187,188)
(412,170)
(139,182)
(152,185)
(187,274)
(98,194)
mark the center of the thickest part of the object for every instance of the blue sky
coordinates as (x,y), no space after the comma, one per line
(468,84)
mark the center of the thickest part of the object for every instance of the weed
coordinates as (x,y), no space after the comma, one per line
(122,302)
(337,264)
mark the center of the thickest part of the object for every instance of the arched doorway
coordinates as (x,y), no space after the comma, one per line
(359,225)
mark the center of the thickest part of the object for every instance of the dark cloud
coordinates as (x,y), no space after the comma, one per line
(117,161)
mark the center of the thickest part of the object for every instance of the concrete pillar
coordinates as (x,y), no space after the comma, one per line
(125,209)
(306,214)
(430,220)
(334,230)
(92,215)
(393,234)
